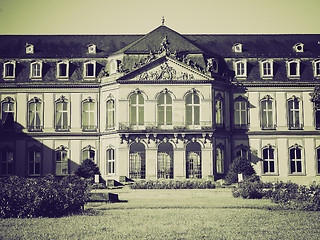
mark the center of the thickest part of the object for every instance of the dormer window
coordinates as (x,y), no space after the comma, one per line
(266,68)
(9,69)
(63,70)
(92,49)
(293,68)
(240,68)
(298,47)
(237,48)
(316,68)
(36,70)
(29,48)
(90,69)
(212,65)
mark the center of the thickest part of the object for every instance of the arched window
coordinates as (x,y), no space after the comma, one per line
(34,162)
(241,113)
(242,152)
(110,114)
(36,70)
(193,156)
(90,69)
(266,68)
(220,159)
(137,162)
(293,68)
(88,115)
(6,161)
(88,153)
(165,160)
(62,114)
(7,113)
(62,161)
(9,70)
(267,113)
(295,113)
(110,161)
(136,102)
(269,160)
(164,103)
(192,109)
(296,159)
(219,111)
(34,114)
(63,70)
(240,68)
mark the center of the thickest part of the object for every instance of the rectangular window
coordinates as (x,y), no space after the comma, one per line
(110,161)
(317,120)
(220,160)
(62,163)
(88,121)
(62,116)
(36,70)
(137,165)
(317,69)
(240,71)
(295,160)
(267,115)
(35,116)
(90,70)
(34,162)
(294,114)
(63,69)
(9,70)
(268,160)
(6,159)
(240,114)
(318,160)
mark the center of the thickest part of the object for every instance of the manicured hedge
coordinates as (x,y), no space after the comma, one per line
(289,195)
(45,197)
(173,184)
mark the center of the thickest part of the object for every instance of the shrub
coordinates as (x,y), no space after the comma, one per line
(46,197)
(251,187)
(238,166)
(173,184)
(88,169)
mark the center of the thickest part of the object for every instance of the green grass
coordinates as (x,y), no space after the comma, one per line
(171,214)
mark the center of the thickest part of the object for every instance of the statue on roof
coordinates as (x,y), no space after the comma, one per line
(164,46)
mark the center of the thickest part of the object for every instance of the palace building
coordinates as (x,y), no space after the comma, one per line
(160,105)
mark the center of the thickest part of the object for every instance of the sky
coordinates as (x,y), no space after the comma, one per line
(142,16)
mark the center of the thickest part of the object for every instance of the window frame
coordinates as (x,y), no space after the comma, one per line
(35,150)
(39,127)
(297,71)
(8,100)
(294,111)
(317,160)
(86,70)
(37,76)
(220,167)
(316,68)
(59,76)
(166,110)
(242,148)
(110,161)
(269,160)
(219,118)
(242,124)
(6,151)
(300,148)
(90,112)
(195,122)
(65,162)
(5,72)
(110,114)
(240,72)
(263,69)
(61,128)
(90,150)
(137,123)
(267,126)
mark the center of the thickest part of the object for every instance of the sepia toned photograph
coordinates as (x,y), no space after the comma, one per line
(159,119)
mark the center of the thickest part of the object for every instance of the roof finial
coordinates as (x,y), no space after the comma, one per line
(163,21)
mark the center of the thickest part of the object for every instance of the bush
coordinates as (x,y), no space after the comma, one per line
(238,166)
(46,197)
(173,184)
(88,169)
(251,187)
(292,196)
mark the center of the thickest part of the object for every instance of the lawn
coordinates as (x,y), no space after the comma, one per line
(171,214)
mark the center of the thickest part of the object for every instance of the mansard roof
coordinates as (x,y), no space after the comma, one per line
(75,46)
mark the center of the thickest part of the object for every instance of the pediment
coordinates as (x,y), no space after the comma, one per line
(165,69)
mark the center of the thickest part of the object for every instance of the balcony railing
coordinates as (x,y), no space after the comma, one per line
(177,126)
(36,128)
(61,128)
(268,127)
(295,126)
(89,128)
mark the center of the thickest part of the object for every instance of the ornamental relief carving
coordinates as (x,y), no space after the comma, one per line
(165,72)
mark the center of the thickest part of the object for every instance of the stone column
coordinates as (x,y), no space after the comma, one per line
(179,164)
(151,163)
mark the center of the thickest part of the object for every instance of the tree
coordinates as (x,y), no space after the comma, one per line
(238,166)
(88,169)
(315,96)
